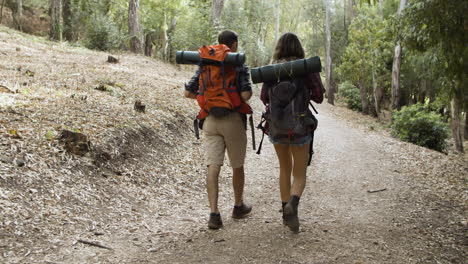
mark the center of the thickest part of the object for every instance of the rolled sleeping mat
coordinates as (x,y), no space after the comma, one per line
(193,57)
(290,69)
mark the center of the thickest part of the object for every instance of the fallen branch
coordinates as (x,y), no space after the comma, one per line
(5,89)
(93,244)
(379,190)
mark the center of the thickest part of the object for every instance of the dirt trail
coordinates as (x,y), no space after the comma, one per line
(341,222)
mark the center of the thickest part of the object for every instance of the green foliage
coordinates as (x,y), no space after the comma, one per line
(350,93)
(193,27)
(418,125)
(102,34)
(441,25)
(369,48)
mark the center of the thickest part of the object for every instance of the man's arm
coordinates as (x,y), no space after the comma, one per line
(190,95)
(245,85)
(191,89)
(246,95)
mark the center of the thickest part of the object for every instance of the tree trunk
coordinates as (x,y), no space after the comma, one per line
(377,91)
(422,91)
(432,91)
(216,9)
(351,10)
(67,21)
(396,77)
(381,8)
(345,25)
(56,24)
(277,24)
(364,99)
(19,6)
(396,67)
(134,26)
(170,34)
(456,124)
(466,123)
(149,44)
(328,70)
(1,11)
(16,7)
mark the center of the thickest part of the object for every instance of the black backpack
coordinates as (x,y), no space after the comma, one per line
(288,116)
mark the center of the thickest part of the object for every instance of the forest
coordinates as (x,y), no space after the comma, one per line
(386,58)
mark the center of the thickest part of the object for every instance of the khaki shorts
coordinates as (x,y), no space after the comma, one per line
(226,133)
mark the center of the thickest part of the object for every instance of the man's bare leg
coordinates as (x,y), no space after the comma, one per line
(212,187)
(238,180)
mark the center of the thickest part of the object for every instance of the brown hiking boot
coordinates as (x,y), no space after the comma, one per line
(241,211)
(215,221)
(290,214)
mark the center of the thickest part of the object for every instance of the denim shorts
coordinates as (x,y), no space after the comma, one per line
(295,142)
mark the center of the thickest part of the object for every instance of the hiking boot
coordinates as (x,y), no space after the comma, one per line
(241,211)
(215,221)
(290,214)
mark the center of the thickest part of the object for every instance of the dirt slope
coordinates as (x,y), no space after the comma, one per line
(146,198)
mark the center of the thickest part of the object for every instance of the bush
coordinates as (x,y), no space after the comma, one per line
(419,125)
(351,95)
(102,34)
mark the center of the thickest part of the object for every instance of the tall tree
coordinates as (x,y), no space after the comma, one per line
(56,23)
(16,7)
(328,66)
(67,20)
(134,26)
(216,10)
(19,5)
(396,67)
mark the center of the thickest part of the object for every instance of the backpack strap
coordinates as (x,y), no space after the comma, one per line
(261,127)
(252,128)
(315,110)
(311,149)
(260,145)
(195,127)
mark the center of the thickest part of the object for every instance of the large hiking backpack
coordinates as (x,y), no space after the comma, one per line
(218,94)
(219,87)
(288,117)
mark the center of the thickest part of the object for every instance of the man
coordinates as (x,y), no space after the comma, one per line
(225,133)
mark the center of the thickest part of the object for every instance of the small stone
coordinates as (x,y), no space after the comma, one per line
(20,162)
(98,233)
(152,250)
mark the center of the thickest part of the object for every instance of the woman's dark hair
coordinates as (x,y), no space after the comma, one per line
(288,46)
(227,37)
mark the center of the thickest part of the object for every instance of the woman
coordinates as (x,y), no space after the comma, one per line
(293,154)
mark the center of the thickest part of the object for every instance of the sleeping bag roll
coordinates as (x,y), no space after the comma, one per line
(290,69)
(193,57)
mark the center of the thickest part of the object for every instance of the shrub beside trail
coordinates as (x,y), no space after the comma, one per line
(419,125)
